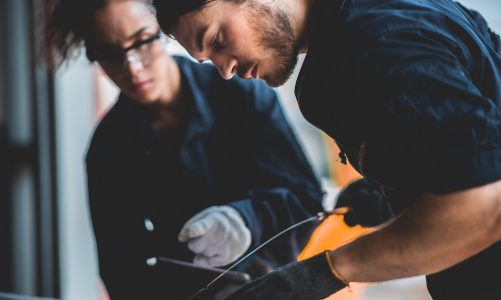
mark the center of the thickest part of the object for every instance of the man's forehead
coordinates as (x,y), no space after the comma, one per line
(190,24)
(185,31)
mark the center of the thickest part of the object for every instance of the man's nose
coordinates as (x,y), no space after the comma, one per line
(227,66)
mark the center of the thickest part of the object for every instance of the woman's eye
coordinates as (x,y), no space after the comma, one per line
(142,45)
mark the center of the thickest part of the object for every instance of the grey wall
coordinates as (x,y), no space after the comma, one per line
(75,98)
(490,9)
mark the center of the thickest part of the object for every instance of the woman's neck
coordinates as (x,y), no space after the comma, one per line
(170,110)
(172,86)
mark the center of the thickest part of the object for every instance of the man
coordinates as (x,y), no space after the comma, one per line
(411,92)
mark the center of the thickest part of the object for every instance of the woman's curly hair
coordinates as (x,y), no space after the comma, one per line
(66,28)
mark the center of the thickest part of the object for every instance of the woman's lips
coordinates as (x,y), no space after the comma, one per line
(142,85)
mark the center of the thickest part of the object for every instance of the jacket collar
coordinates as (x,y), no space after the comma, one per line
(202,118)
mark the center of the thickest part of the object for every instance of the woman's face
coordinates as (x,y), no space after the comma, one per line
(140,71)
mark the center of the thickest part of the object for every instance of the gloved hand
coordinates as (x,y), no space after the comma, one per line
(217,235)
(368,206)
(310,279)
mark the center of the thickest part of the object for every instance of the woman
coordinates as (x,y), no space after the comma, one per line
(181,140)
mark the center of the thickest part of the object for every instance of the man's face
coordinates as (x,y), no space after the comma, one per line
(249,39)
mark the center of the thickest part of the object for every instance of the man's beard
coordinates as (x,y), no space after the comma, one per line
(276,36)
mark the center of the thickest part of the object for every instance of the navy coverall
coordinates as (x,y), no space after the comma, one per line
(236,149)
(411,92)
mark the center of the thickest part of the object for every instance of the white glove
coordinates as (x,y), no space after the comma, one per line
(217,235)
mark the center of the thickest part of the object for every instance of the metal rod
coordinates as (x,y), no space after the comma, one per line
(320,217)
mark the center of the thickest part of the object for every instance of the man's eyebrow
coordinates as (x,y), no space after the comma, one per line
(200,38)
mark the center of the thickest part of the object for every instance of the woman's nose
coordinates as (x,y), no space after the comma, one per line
(133,64)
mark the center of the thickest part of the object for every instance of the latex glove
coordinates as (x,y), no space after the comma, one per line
(310,279)
(369,206)
(217,235)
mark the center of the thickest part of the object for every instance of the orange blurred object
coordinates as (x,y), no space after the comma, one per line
(333,233)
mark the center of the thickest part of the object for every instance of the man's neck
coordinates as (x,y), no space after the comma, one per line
(299,11)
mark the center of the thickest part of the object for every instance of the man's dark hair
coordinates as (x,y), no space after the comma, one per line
(169,11)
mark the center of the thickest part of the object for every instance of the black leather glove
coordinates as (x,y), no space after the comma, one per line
(369,206)
(310,279)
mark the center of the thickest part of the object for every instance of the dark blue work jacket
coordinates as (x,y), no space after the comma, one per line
(411,92)
(236,149)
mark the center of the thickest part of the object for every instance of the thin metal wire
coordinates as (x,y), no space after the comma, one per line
(319,217)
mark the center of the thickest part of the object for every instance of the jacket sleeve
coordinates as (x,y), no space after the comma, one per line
(286,189)
(440,128)
(119,230)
